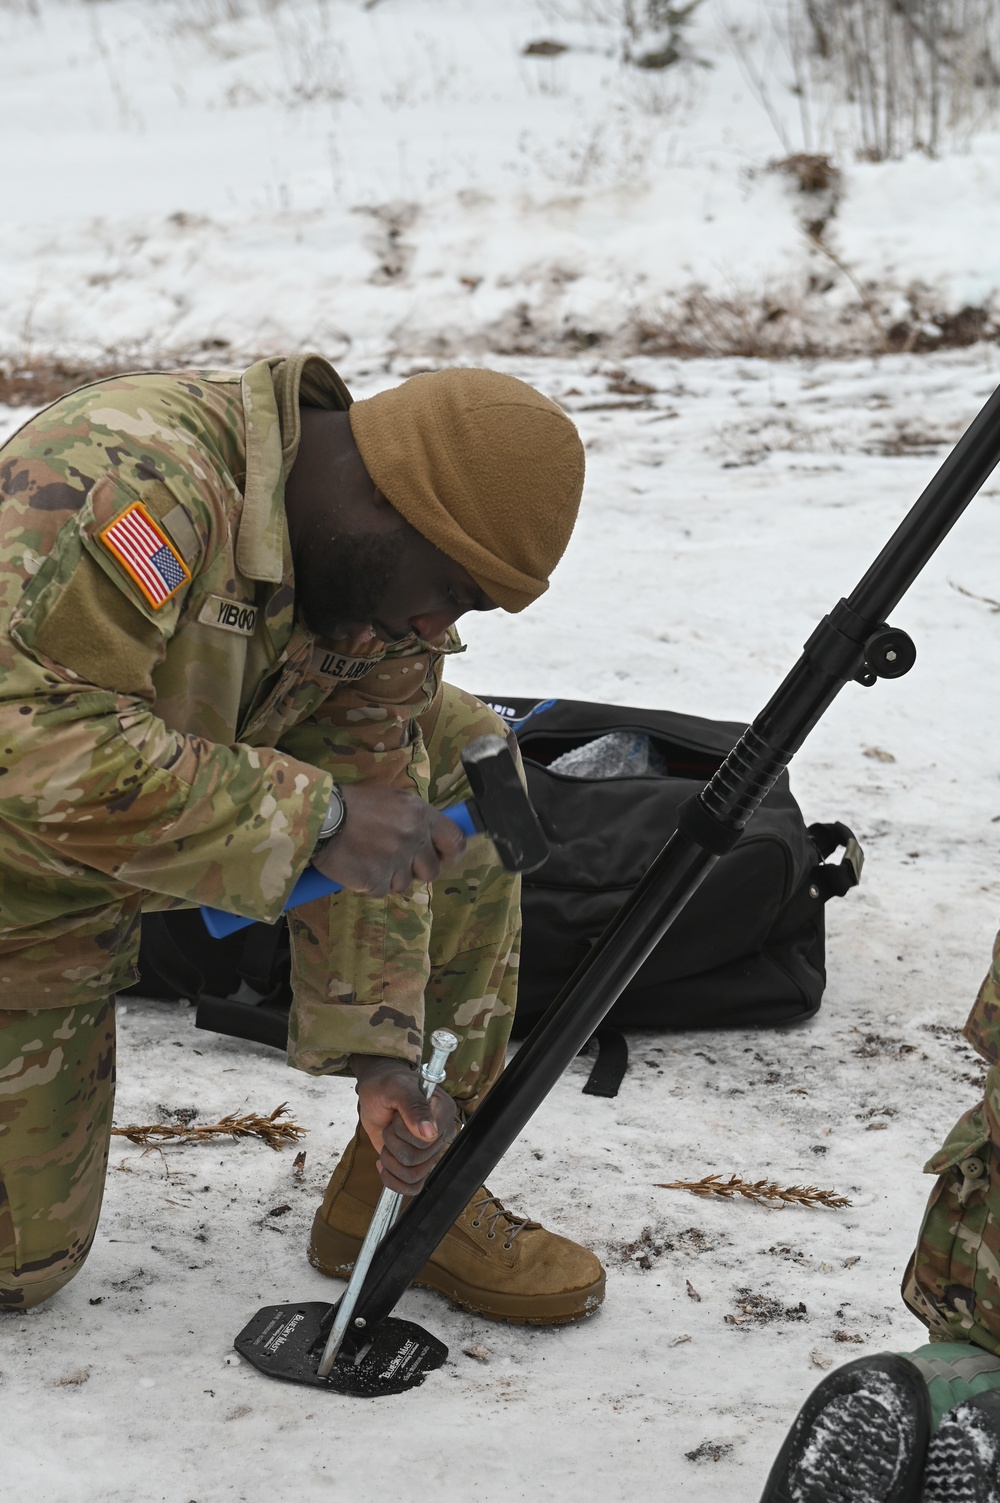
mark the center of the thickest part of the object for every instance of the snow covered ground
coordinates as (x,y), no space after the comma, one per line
(727,512)
(171,180)
(252,174)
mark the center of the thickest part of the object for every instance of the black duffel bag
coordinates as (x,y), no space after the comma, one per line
(749,945)
(747,949)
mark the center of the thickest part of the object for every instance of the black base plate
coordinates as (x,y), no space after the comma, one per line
(286,1341)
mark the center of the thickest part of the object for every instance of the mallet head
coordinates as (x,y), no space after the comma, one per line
(502,804)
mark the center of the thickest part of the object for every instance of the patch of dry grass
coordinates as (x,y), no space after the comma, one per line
(271,1130)
(761,1191)
(34,381)
(777,322)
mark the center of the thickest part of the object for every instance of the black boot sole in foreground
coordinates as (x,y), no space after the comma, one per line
(963,1459)
(860,1437)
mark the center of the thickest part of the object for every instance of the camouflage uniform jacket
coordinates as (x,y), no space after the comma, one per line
(983,1026)
(168,731)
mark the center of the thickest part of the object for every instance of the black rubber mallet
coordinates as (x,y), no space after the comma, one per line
(499,808)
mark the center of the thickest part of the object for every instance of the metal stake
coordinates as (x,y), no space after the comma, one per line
(432,1073)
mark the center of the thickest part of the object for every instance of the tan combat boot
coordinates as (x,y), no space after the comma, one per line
(492,1262)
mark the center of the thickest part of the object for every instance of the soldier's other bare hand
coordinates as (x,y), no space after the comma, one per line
(409,1133)
(390,839)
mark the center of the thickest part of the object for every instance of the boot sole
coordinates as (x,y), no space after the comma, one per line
(962,1459)
(333,1253)
(860,1437)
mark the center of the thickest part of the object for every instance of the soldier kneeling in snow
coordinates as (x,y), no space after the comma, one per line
(924,1427)
(225,601)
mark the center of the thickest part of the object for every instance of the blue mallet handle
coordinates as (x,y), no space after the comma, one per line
(313,884)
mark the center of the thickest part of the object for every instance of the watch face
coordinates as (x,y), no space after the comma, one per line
(334,816)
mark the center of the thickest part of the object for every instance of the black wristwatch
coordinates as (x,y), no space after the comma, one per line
(336,813)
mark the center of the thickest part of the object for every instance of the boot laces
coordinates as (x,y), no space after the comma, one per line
(515,1224)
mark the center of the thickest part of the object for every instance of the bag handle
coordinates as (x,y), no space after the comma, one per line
(835,881)
(609,1067)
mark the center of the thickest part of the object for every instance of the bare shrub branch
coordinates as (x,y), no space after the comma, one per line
(900,75)
(917,74)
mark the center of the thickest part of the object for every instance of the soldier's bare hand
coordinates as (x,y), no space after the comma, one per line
(409,1134)
(390,840)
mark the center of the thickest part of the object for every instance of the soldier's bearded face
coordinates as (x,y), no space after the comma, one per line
(344,592)
(386,584)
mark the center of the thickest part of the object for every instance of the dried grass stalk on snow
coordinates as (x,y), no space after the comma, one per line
(270,1130)
(762,1191)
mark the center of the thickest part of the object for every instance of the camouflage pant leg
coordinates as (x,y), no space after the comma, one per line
(952,1282)
(57,1086)
(454,960)
(954,1371)
(475,917)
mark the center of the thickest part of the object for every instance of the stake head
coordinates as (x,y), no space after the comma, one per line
(286,1341)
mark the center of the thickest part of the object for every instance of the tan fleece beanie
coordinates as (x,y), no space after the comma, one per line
(484,467)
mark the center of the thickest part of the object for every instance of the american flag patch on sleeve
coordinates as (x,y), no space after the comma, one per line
(146,554)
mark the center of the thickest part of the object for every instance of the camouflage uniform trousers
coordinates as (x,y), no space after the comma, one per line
(470,955)
(57,1065)
(953,1371)
(952,1282)
(57,1091)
